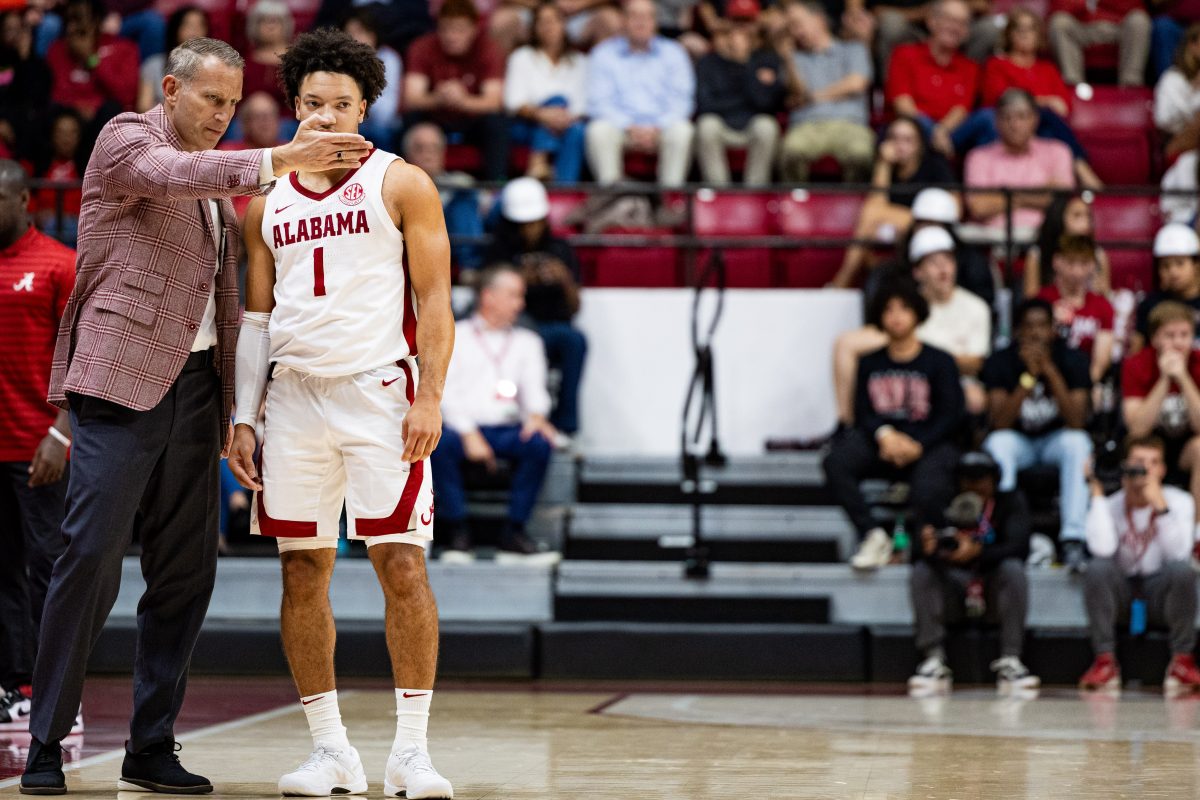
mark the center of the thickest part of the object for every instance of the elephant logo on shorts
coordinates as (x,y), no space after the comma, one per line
(429,520)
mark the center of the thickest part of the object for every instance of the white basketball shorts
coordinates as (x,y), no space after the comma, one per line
(329,440)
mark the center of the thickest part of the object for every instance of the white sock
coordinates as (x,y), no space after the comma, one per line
(412,718)
(325,720)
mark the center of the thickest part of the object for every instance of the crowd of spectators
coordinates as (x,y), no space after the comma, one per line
(568,90)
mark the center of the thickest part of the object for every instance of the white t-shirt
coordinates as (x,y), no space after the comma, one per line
(1108,534)
(531,79)
(962,326)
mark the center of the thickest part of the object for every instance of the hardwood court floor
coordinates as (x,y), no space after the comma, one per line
(525,742)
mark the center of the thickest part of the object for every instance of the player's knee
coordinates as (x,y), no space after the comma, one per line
(305,572)
(401,566)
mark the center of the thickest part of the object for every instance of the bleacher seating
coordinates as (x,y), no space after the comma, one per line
(806,215)
(738,214)
(1116,127)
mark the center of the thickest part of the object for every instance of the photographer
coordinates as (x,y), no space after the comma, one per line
(974,568)
(1141,543)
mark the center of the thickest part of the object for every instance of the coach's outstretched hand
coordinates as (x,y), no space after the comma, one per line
(316,148)
(241,458)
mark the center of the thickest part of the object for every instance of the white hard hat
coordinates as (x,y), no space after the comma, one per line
(524,200)
(929,240)
(935,205)
(1176,239)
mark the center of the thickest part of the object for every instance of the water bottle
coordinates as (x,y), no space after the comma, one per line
(900,541)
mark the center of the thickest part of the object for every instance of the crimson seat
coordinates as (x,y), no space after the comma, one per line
(1132,269)
(737,214)
(805,215)
(1116,127)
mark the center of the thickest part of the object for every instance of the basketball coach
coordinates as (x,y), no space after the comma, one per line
(144,363)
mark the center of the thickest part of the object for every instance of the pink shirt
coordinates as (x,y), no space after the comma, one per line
(1047,163)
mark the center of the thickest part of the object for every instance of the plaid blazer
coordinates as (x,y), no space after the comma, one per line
(146,260)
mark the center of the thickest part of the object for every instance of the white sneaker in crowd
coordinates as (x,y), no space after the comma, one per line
(410,774)
(932,677)
(325,772)
(1013,677)
(874,552)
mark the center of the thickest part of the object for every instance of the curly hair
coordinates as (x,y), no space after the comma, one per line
(331,50)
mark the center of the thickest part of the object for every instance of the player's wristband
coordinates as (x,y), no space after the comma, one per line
(59,436)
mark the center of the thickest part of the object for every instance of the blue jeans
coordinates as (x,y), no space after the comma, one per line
(1068,449)
(566,147)
(530,460)
(148,29)
(566,349)
(463,219)
(1165,36)
(980,128)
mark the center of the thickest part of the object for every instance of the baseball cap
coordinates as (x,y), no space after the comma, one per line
(742,9)
(1176,239)
(929,240)
(935,205)
(524,200)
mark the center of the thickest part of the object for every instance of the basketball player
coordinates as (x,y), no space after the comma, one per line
(336,261)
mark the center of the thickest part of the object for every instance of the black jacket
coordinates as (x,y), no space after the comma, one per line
(735,92)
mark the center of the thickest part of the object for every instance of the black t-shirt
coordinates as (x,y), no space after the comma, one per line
(921,398)
(544,302)
(1040,413)
(933,170)
(1153,299)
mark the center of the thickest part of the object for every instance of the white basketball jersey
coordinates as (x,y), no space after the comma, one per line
(343,303)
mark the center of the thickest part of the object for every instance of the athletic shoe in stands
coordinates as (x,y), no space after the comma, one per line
(157,769)
(874,552)
(459,551)
(1103,676)
(932,677)
(1074,557)
(518,548)
(14,711)
(1182,676)
(410,774)
(43,770)
(327,771)
(1013,677)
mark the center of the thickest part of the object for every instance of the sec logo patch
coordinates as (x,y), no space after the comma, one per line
(353,194)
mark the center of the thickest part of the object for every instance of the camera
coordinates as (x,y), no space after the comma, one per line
(947,540)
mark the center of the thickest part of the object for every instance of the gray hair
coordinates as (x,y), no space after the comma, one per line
(407,142)
(492,274)
(185,61)
(265,9)
(1014,97)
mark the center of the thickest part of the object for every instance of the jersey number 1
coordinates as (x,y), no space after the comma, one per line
(319,272)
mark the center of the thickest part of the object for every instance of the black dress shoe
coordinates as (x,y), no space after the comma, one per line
(157,769)
(43,770)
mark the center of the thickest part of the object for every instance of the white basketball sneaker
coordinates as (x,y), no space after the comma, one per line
(327,771)
(410,774)
(933,677)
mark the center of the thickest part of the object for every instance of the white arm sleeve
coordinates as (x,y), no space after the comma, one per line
(253,364)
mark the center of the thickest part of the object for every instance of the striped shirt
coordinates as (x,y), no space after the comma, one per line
(36,276)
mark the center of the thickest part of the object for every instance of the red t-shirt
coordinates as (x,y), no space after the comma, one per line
(47,199)
(36,277)
(483,62)
(114,78)
(936,89)
(1041,80)
(1078,326)
(1139,373)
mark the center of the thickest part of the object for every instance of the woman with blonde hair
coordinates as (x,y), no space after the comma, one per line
(269,28)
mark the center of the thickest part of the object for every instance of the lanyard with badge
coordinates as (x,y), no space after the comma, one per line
(1138,541)
(506,388)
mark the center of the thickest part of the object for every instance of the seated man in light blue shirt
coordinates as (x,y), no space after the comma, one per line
(641,91)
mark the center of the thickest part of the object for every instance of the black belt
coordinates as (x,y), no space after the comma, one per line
(201,359)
